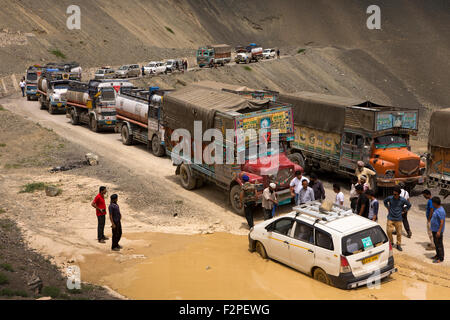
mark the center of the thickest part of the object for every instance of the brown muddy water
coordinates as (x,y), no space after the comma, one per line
(219,266)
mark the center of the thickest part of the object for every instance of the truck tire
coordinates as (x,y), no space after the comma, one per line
(41,100)
(93,124)
(51,110)
(297,158)
(28,98)
(74,119)
(235,200)
(188,181)
(127,138)
(200,183)
(157,148)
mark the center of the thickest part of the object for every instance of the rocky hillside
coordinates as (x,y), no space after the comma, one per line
(408,57)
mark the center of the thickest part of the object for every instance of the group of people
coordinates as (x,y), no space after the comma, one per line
(362,201)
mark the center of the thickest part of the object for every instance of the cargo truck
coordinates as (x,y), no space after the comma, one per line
(138,118)
(438,159)
(93,103)
(334,133)
(217,54)
(223,110)
(31,79)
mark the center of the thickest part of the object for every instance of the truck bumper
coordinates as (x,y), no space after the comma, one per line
(348,281)
(107,123)
(392,182)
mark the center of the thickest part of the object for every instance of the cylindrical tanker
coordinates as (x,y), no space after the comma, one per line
(43,84)
(133,108)
(78,92)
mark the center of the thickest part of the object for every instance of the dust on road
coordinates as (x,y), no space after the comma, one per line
(219,266)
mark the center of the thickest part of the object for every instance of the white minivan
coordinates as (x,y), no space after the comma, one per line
(335,247)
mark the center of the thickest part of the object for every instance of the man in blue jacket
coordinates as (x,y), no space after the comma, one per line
(438,227)
(396,206)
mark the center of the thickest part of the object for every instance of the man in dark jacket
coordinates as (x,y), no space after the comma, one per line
(396,206)
(115,217)
(363,202)
(317,186)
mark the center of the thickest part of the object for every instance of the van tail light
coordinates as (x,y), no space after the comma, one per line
(345,267)
(391,253)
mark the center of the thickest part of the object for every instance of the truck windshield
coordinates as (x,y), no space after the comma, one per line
(390,141)
(108,94)
(363,240)
(31,76)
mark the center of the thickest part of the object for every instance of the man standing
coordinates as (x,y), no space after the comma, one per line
(353,193)
(296,185)
(438,227)
(363,203)
(269,198)
(339,195)
(248,199)
(278,53)
(22,86)
(100,208)
(396,205)
(373,205)
(305,193)
(142,70)
(317,186)
(361,170)
(429,213)
(363,182)
(405,194)
(115,217)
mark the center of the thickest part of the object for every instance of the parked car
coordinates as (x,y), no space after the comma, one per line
(171,65)
(105,73)
(155,67)
(336,247)
(128,71)
(269,53)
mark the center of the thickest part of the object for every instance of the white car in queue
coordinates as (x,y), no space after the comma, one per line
(336,247)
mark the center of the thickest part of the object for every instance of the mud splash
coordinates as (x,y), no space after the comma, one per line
(219,266)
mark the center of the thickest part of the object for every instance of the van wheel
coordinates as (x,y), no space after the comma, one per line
(127,138)
(259,247)
(235,200)
(73,118)
(187,180)
(157,148)
(320,275)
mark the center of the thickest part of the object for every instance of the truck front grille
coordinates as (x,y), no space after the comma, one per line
(408,167)
(283,177)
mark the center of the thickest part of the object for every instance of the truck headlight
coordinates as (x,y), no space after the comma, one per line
(390,173)
(422,171)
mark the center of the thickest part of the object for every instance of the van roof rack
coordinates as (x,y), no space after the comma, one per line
(312,209)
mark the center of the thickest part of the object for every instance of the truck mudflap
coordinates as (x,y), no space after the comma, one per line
(392,182)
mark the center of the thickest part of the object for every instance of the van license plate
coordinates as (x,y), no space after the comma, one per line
(370,259)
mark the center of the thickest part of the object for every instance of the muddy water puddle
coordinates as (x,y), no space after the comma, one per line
(219,266)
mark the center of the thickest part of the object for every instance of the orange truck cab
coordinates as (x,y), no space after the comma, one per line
(334,133)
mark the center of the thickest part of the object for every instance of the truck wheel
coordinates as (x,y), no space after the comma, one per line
(200,183)
(127,138)
(259,247)
(321,276)
(28,98)
(187,180)
(235,200)
(51,110)
(74,118)
(297,158)
(157,148)
(42,107)
(93,124)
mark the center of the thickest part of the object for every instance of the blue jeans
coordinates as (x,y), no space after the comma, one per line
(273,210)
(296,199)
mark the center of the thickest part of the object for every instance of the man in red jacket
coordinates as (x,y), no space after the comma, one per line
(100,208)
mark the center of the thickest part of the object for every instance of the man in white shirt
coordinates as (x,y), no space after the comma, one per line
(306,193)
(339,195)
(22,86)
(269,199)
(296,184)
(405,194)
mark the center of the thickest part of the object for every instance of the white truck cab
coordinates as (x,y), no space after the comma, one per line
(336,247)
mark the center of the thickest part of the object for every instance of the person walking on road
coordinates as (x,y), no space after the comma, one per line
(438,227)
(373,205)
(362,170)
(115,217)
(143,70)
(317,186)
(269,198)
(429,213)
(248,199)
(405,194)
(22,86)
(100,209)
(278,53)
(305,193)
(296,185)
(339,195)
(396,205)
(363,202)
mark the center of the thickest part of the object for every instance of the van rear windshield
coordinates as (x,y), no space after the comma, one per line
(363,240)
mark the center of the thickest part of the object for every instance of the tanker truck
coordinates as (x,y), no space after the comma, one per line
(93,103)
(438,159)
(138,118)
(223,110)
(334,133)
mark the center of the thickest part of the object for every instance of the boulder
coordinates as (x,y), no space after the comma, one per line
(92,159)
(52,191)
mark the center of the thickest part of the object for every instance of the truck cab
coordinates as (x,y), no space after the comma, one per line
(205,56)
(31,79)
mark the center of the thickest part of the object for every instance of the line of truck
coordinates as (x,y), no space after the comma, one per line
(353,130)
